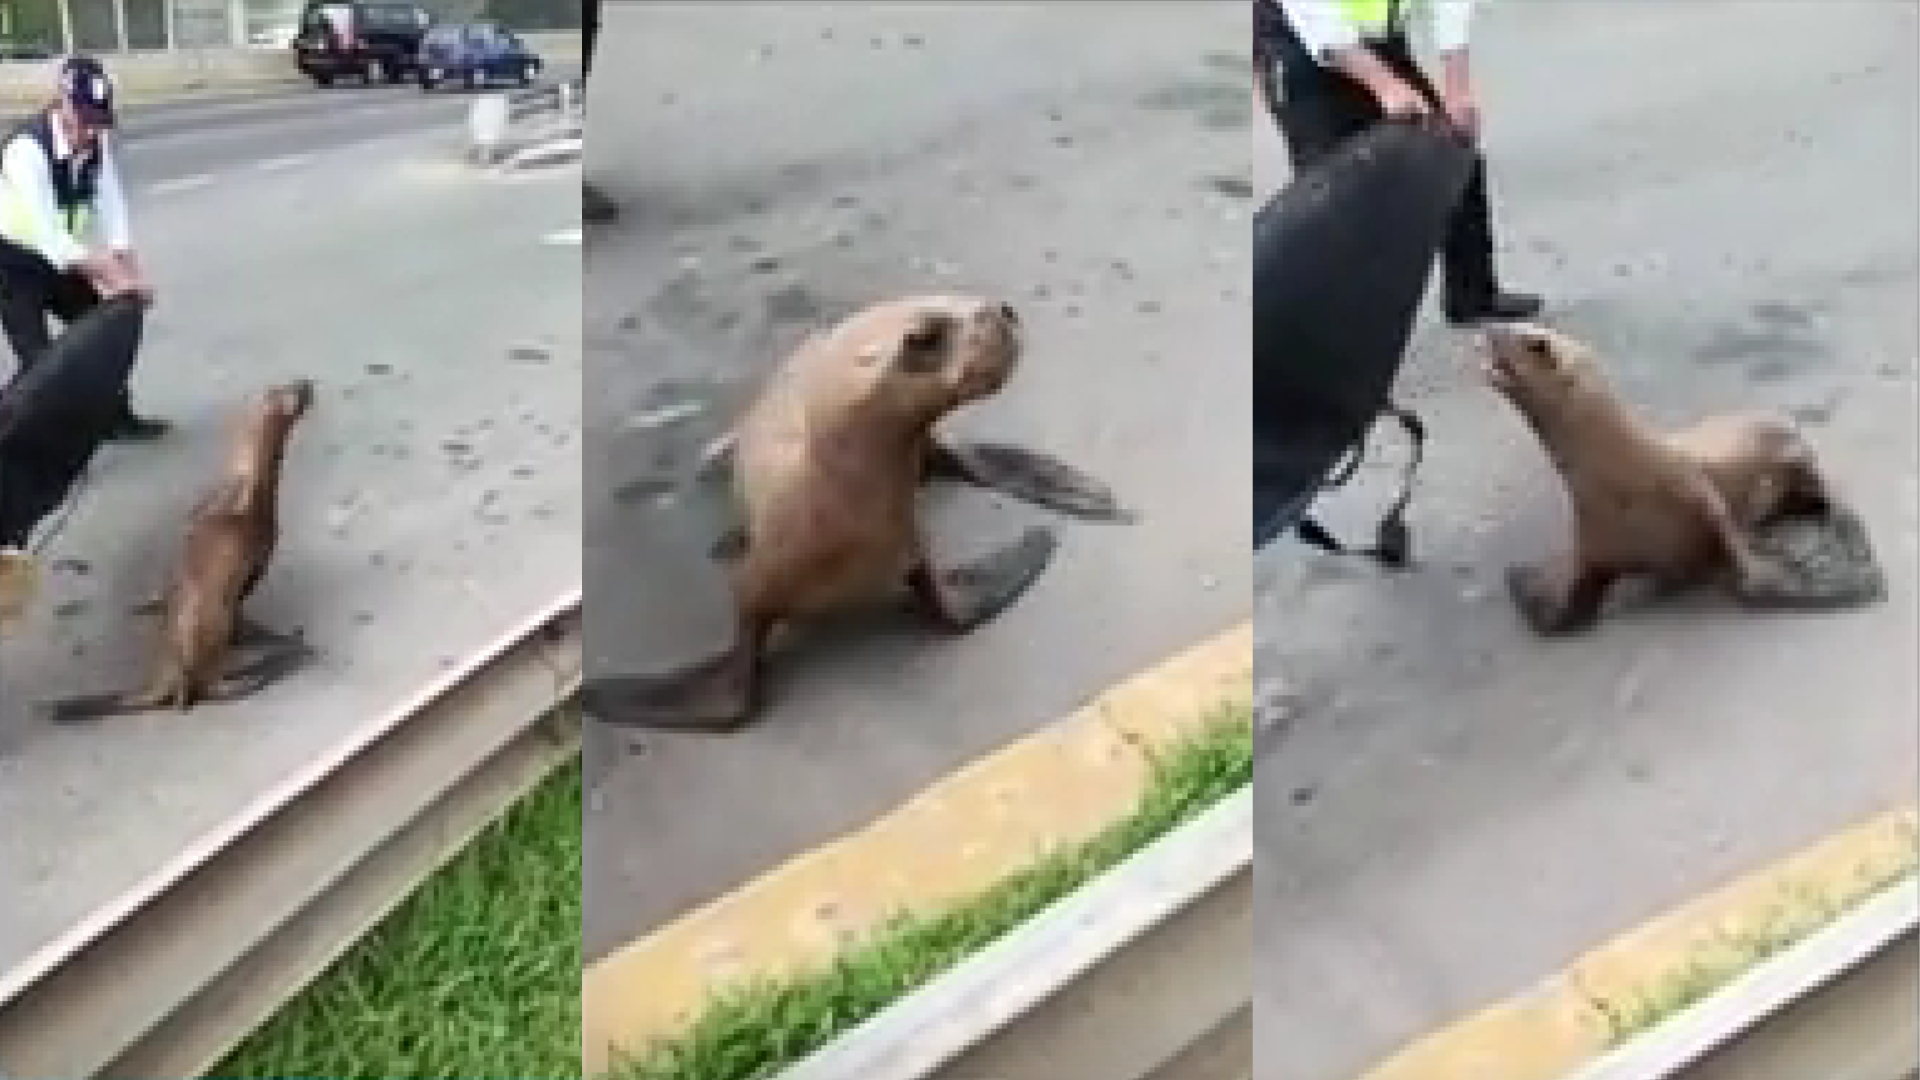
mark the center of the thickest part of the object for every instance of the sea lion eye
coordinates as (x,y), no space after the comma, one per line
(924,347)
(1538,349)
(929,336)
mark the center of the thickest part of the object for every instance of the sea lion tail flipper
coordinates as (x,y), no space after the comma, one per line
(716,695)
(1027,475)
(963,597)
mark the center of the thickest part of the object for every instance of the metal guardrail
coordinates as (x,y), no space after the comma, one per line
(172,975)
(492,118)
(1144,974)
(564,98)
(1844,1004)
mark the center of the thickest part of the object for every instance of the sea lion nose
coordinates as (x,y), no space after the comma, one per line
(1006,313)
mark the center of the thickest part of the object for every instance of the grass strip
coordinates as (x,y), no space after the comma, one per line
(477,974)
(1797,915)
(751,1031)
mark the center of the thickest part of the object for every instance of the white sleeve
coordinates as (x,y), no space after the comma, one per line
(1451,20)
(1320,25)
(110,200)
(24,168)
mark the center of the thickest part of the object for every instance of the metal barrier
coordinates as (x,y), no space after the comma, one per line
(491,118)
(1844,1004)
(170,976)
(1144,974)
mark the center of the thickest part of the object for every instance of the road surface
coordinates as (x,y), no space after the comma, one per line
(198,140)
(432,497)
(1092,171)
(1720,194)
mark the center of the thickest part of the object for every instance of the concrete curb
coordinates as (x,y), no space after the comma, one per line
(1574,1016)
(1063,783)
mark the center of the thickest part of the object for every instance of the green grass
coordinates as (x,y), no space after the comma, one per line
(1796,915)
(477,975)
(752,1031)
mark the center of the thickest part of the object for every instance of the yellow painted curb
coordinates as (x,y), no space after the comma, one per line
(1061,784)
(1577,1014)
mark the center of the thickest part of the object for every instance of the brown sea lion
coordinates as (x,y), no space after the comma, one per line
(826,466)
(1716,501)
(19,579)
(231,536)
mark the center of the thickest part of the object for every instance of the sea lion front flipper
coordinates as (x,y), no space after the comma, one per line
(1564,597)
(962,597)
(84,707)
(716,695)
(1027,475)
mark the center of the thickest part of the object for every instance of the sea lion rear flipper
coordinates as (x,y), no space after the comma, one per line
(716,695)
(961,598)
(1028,475)
(1821,562)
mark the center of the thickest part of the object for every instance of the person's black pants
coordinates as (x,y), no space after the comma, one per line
(589,30)
(32,289)
(1319,108)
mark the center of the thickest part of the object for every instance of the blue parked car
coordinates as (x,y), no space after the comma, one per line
(474,54)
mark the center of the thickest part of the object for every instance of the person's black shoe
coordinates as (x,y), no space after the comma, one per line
(1499,307)
(132,427)
(595,206)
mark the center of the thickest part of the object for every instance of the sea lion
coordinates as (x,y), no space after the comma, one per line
(1716,501)
(18,583)
(231,535)
(826,465)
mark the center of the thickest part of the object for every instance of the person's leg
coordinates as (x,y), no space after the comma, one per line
(594,204)
(589,30)
(23,317)
(1472,284)
(70,298)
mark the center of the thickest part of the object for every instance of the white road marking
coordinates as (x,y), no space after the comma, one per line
(563,238)
(285,162)
(180,183)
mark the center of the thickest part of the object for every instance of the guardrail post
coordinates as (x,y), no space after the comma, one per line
(487,121)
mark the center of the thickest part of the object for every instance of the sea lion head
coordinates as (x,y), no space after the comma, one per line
(289,401)
(1536,367)
(926,355)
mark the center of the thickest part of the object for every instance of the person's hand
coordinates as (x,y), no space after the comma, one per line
(1398,99)
(106,275)
(1456,97)
(134,275)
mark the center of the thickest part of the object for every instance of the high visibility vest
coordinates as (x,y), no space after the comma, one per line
(73,189)
(1372,18)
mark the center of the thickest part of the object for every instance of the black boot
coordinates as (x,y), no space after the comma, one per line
(1496,306)
(595,206)
(132,427)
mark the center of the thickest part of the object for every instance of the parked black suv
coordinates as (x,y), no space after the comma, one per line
(373,40)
